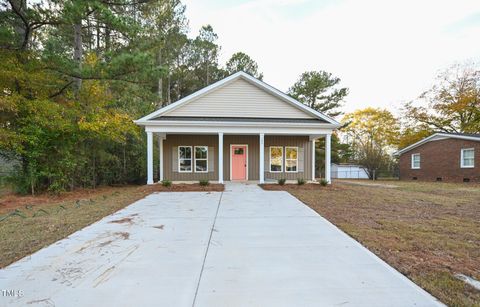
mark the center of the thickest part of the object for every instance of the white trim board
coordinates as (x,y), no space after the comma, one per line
(262,85)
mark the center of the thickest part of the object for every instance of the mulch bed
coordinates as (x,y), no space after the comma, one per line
(184,187)
(296,187)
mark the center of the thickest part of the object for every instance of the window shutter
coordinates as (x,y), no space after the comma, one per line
(211,159)
(301,159)
(175,159)
(266,160)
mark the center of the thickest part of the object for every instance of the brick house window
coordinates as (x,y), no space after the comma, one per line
(416,161)
(467,158)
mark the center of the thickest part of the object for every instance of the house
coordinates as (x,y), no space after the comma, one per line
(238,128)
(348,171)
(442,157)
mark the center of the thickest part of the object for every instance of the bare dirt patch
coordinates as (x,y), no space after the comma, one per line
(427,231)
(124,220)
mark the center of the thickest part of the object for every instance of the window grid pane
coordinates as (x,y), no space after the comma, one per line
(416,161)
(201,152)
(291,155)
(468,158)
(201,159)
(276,159)
(185,158)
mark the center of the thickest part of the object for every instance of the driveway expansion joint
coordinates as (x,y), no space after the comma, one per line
(206,250)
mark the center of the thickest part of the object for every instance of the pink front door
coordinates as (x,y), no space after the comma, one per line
(239,162)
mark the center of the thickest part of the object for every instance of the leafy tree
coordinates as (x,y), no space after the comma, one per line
(452,104)
(340,153)
(372,134)
(413,134)
(318,90)
(242,62)
(205,55)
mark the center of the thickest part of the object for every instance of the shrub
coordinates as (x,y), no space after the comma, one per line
(166,183)
(301,181)
(204,182)
(282,181)
(323,182)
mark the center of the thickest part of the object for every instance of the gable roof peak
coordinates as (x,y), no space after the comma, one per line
(259,83)
(438,136)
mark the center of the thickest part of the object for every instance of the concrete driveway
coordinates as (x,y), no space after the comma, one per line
(242,247)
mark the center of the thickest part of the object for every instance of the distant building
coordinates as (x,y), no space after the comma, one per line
(442,157)
(348,171)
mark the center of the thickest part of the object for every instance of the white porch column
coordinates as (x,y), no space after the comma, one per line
(328,150)
(149,157)
(160,150)
(313,159)
(262,159)
(220,157)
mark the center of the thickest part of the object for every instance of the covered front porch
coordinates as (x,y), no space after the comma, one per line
(234,155)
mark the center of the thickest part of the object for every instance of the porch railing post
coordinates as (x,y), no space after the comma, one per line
(262,155)
(149,157)
(328,149)
(220,157)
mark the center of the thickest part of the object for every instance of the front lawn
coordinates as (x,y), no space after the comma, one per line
(29,223)
(427,231)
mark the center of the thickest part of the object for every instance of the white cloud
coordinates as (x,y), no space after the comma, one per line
(386,52)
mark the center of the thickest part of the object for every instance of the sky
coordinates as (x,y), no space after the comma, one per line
(386,52)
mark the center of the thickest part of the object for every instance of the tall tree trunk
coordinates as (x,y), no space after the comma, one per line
(22,29)
(124,163)
(107,41)
(78,53)
(94,164)
(160,82)
(169,79)
(207,73)
(97,32)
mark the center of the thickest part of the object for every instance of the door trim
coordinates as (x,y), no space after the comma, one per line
(230,158)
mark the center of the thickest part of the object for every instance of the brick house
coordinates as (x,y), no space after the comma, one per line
(452,157)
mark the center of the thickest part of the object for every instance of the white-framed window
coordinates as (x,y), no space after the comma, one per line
(467,158)
(291,159)
(416,161)
(276,159)
(185,159)
(201,159)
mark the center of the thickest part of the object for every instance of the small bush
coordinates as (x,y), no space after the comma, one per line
(282,181)
(166,183)
(204,182)
(323,183)
(301,181)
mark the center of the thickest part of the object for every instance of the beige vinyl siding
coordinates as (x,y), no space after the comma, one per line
(302,142)
(170,160)
(239,99)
